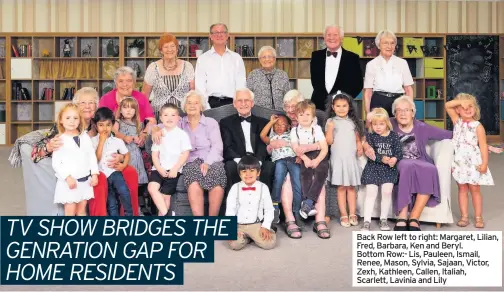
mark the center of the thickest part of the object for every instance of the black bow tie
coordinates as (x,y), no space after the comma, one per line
(329,53)
(248,119)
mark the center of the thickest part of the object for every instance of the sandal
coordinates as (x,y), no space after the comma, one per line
(344,223)
(401,228)
(354,220)
(321,231)
(479,222)
(414,228)
(292,230)
(463,222)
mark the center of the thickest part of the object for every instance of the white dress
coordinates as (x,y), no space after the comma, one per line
(468,155)
(78,162)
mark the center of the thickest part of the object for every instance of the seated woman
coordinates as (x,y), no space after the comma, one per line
(292,219)
(34,151)
(418,184)
(205,167)
(268,83)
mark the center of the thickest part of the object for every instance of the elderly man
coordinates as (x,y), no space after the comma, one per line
(241,135)
(219,71)
(334,68)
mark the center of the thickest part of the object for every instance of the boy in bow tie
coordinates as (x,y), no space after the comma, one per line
(250,201)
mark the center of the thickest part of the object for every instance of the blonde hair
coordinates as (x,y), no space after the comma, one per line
(305,105)
(130,102)
(379,114)
(70,106)
(467,96)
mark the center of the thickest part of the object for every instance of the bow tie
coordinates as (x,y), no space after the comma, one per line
(248,189)
(248,119)
(335,54)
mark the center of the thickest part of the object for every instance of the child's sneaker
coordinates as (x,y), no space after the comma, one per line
(384,225)
(276,214)
(366,226)
(306,208)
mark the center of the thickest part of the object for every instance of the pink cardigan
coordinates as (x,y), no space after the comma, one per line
(145,109)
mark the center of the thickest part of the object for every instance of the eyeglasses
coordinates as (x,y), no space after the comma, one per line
(89,103)
(391,44)
(243,101)
(403,111)
(219,32)
(267,57)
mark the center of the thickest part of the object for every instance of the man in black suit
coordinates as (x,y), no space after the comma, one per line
(334,68)
(240,136)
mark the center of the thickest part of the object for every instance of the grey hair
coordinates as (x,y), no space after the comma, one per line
(341,32)
(125,70)
(404,99)
(86,91)
(382,34)
(244,90)
(293,95)
(219,23)
(197,94)
(267,48)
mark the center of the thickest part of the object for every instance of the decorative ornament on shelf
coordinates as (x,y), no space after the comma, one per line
(67,49)
(112,49)
(137,69)
(45,53)
(136,48)
(87,52)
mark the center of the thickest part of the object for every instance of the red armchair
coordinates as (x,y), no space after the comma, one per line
(98,205)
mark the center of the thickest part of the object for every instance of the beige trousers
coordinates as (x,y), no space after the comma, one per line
(251,232)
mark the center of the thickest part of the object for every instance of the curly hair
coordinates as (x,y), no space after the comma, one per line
(352,112)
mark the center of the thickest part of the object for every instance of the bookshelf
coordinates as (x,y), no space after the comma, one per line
(48,80)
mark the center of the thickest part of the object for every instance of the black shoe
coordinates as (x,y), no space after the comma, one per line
(414,228)
(274,228)
(276,214)
(401,228)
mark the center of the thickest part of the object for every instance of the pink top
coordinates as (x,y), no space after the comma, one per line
(145,109)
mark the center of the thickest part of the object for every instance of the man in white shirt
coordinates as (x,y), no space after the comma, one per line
(219,71)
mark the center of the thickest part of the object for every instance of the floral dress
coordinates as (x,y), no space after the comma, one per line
(468,155)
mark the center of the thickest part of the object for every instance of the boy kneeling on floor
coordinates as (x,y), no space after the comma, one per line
(250,201)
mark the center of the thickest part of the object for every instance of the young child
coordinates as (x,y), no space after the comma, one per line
(285,162)
(250,201)
(106,145)
(315,166)
(470,162)
(74,163)
(128,128)
(345,128)
(382,171)
(168,158)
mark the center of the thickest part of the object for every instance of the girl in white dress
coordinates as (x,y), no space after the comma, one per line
(75,163)
(470,162)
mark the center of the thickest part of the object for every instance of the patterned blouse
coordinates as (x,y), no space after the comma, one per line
(168,88)
(264,84)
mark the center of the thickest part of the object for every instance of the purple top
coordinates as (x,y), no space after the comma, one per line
(423,133)
(206,140)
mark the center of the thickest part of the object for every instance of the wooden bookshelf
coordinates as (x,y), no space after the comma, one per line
(103,53)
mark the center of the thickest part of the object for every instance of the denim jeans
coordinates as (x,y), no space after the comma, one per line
(117,188)
(282,166)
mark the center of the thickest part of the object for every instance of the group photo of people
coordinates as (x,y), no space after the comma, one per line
(253,147)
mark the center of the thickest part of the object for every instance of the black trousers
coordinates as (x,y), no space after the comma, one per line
(313,180)
(380,100)
(219,101)
(266,176)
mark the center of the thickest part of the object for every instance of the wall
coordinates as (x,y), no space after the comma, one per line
(422,16)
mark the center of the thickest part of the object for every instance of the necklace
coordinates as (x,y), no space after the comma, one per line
(172,68)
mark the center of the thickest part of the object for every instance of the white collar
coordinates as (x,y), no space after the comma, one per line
(215,52)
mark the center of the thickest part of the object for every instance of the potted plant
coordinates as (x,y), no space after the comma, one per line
(136,48)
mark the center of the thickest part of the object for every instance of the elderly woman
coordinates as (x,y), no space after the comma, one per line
(387,76)
(39,178)
(205,167)
(418,184)
(268,84)
(169,78)
(291,205)
(125,80)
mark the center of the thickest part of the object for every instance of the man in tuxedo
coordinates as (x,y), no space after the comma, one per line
(334,68)
(240,136)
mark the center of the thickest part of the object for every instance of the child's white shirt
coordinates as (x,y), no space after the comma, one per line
(173,143)
(111,146)
(73,160)
(250,205)
(304,136)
